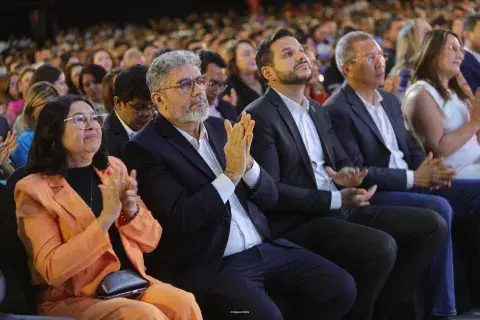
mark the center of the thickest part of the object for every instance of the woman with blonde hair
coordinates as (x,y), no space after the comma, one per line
(37,97)
(408,47)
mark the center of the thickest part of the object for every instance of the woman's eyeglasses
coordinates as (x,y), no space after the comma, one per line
(187,85)
(83,122)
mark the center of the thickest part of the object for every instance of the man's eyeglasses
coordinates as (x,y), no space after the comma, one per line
(141,107)
(188,85)
(83,122)
(371,58)
(217,86)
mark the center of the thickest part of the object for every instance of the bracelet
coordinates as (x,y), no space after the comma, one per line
(126,219)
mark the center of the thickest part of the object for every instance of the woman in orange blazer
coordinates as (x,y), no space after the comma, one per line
(80,220)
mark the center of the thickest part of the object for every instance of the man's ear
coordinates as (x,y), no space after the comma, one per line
(268,73)
(117,103)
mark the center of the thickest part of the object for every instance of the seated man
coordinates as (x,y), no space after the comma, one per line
(200,182)
(133,108)
(370,126)
(213,66)
(294,142)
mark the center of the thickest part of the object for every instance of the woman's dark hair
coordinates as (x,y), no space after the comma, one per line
(46,72)
(92,56)
(426,64)
(68,78)
(107,88)
(97,71)
(231,59)
(5,96)
(47,154)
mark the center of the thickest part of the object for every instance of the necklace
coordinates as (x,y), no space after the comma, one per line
(91,191)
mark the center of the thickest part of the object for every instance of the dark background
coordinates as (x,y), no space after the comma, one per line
(15,14)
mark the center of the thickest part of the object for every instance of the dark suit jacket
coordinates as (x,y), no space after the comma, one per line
(278,147)
(227,110)
(4,128)
(175,183)
(363,142)
(116,135)
(471,71)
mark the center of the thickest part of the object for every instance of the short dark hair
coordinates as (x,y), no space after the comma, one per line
(97,71)
(47,73)
(209,56)
(131,83)
(264,56)
(47,154)
(471,21)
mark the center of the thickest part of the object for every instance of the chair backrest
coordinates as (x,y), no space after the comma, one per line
(20,294)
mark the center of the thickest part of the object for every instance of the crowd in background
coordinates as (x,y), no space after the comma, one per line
(424,55)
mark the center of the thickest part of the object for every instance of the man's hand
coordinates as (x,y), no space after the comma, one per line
(347,177)
(234,149)
(433,173)
(248,124)
(353,197)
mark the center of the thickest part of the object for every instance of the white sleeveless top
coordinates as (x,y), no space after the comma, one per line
(456,114)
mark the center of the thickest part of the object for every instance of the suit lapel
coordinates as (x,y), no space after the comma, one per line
(473,62)
(400,141)
(66,197)
(320,125)
(177,140)
(292,127)
(117,127)
(359,108)
(216,144)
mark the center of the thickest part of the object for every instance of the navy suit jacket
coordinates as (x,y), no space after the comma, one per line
(363,142)
(227,110)
(471,71)
(278,147)
(176,185)
(116,135)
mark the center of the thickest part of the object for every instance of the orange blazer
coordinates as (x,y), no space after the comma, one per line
(68,252)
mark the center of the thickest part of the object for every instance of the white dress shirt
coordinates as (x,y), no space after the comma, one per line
(312,143)
(475,54)
(130,132)
(214,111)
(243,233)
(382,121)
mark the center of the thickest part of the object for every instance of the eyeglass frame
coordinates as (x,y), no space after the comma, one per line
(380,54)
(179,85)
(220,86)
(90,120)
(137,111)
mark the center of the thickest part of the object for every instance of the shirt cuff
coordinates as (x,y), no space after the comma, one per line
(336,200)
(252,176)
(410,178)
(224,186)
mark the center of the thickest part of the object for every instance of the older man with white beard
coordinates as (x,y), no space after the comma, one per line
(198,179)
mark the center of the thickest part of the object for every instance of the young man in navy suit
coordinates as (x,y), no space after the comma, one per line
(319,206)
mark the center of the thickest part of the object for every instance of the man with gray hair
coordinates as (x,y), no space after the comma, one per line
(199,181)
(369,124)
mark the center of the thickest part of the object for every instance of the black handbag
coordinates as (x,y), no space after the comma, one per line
(123,283)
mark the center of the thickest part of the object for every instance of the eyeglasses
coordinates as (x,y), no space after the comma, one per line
(217,86)
(83,122)
(142,107)
(188,85)
(371,58)
(456,49)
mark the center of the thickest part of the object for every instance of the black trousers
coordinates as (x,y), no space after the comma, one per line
(385,249)
(250,284)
